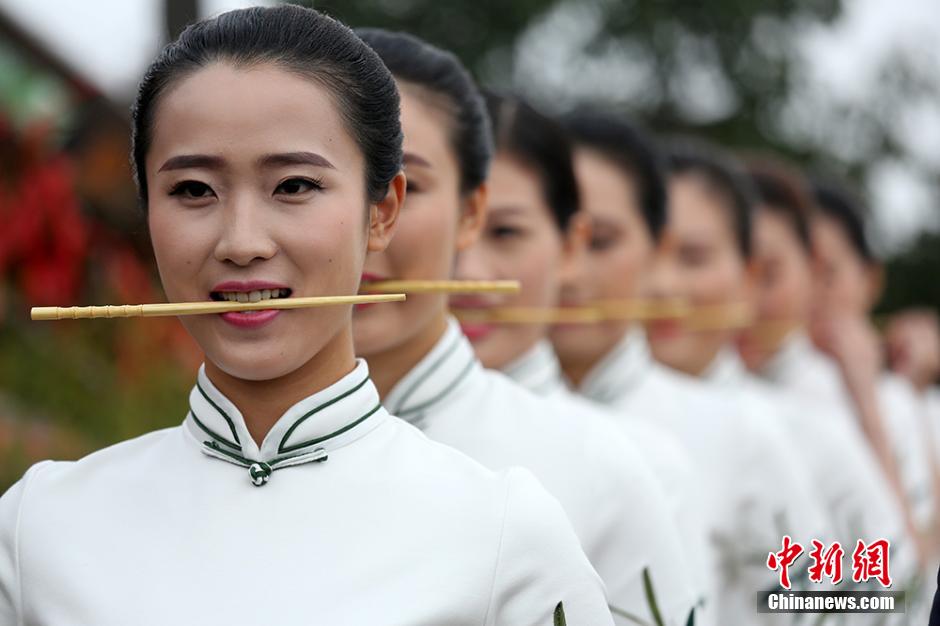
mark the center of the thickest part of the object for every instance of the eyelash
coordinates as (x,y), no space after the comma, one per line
(316,183)
(182,187)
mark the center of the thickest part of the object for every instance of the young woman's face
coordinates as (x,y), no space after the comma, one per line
(431,229)
(256,190)
(520,241)
(701,264)
(614,265)
(845,280)
(783,290)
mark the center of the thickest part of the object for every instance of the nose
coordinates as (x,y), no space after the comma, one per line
(471,264)
(662,281)
(245,234)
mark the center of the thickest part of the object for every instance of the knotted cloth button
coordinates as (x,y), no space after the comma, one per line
(260,472)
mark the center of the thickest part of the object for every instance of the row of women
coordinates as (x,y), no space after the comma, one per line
(390,464)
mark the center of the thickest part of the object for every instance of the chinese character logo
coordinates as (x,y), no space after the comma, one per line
(784,559)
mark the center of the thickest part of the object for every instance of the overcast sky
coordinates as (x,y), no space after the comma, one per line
(111,41)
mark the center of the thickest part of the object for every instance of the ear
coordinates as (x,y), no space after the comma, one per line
(577,236)
(383,215)
(574,247)
(876,283)
(472,217)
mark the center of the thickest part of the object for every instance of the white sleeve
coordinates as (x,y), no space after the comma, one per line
(542,577)
(11,610)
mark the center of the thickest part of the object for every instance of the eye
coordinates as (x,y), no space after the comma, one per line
(599,244)
(192,189)
(297,186)
(505,232)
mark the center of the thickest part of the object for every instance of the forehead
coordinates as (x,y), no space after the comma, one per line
(606,190)
(425,125)
(696,210)
(242,112)
(511,182)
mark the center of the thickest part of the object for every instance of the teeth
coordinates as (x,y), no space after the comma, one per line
(253,296)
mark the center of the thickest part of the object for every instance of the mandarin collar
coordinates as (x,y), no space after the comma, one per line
(430,383)
(538,369)
(620,369)
(726,368)
(308,431)
(794,350)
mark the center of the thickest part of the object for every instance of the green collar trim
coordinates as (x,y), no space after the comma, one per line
(225,416)
(454,344)
(283,447)
(444,392)
(212,433)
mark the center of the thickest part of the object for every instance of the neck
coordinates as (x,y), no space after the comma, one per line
(576,370)
(263,402)
(697,366)
(391,365)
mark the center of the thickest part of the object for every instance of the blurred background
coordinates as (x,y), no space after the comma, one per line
(846,87)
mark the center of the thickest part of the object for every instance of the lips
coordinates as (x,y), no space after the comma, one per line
(474,331)
(367,277)
(659,330)
(249,291)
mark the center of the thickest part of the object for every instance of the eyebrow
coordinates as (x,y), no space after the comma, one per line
(208,161)
(192,161)
(414,159)
(295,158)
(509,209)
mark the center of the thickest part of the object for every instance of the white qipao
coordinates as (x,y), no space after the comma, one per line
(610,498)
(847,472)
(344,515)
(540,371)
(752,498)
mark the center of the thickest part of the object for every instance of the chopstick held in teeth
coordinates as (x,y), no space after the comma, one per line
(201,308)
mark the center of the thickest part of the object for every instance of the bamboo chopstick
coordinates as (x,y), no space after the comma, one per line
(529,315)
(198,308)
(638,310)
(441,286)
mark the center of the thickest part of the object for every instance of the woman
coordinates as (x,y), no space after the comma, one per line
(267,146)
(776,346)
(535,234)
(888,408)
(427,369)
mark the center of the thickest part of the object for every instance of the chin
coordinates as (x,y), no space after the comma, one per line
(254,364)
(374,332)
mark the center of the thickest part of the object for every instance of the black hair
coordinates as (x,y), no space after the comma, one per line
(782,190)
(541,144)
(723,174)
(836,202)
(630,148)
(412,60)
(299,40)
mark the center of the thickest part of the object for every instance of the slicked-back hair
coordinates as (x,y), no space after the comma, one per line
(298,40)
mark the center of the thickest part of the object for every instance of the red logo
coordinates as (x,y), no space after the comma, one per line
(826,563)
(869,561)
(784,559)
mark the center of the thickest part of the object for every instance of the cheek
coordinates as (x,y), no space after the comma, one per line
(719,282)
(179,246)
(423,244)
(326,252)
(619,272)
(537,269)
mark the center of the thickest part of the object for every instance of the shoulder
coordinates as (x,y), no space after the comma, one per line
(51,482)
